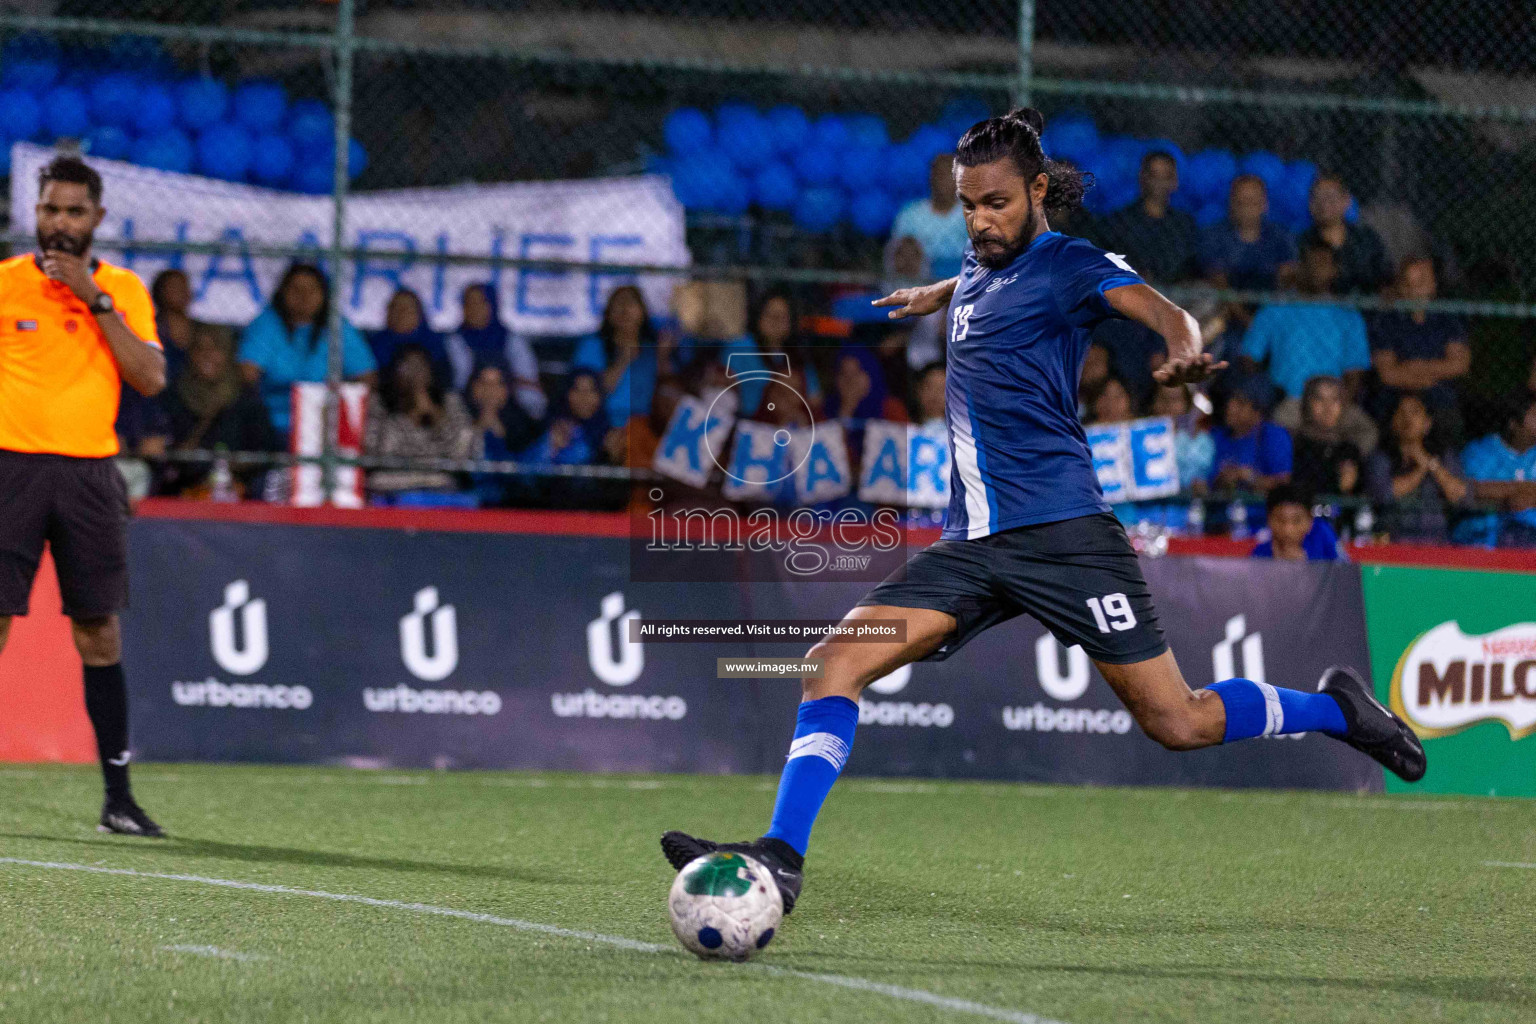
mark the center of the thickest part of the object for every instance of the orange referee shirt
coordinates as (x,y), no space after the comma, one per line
(59,384)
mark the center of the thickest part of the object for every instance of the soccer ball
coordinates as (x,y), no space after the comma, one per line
(724,906)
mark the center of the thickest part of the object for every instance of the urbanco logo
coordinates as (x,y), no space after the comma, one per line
(1064,684)
(1223,664)
(248,654)
(609,632)
(445,638)
(1447,680)
(1059,685)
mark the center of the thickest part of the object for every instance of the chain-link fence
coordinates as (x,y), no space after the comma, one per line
(556,151)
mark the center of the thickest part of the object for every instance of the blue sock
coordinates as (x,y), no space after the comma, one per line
(1258,709)
(823,737)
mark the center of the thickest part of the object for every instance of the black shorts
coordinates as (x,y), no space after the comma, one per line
(1079,577)
(80,508)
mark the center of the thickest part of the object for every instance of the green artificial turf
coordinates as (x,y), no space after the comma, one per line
(1086,906)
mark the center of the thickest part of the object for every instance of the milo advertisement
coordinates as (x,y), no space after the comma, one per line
(1454,654)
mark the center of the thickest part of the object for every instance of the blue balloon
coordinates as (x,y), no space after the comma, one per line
(707,181)
(1208,174)
(168,150)
(33,73)
(788,128)
(108,142)
(311,127)
(315,177)
(830,132)
(202,102)
(21,116)
(272,159)
(1071,137)
(687,130)
(157,109)
(1269,167)
(357,159)
(819,208)
(1288,199)
(66,112)
(1212,212)
(743,136)
(115,99)
(860,167)
(872,212)
(775,187)
(816,164)
(930,140)
(224,151)
(867,131)
(733,195)
(906,171)
(260,105)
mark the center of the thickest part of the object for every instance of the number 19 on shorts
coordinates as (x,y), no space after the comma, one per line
(1112,611)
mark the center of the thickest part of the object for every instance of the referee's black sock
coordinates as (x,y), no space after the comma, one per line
(106,701)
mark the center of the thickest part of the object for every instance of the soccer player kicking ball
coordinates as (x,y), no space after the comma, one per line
(1027,528)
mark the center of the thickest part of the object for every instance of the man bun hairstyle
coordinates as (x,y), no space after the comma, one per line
(1016,136)
(73,170)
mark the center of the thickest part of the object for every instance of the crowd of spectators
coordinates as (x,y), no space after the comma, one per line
(1324,405)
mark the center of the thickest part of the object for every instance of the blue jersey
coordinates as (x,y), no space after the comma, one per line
(1017,338)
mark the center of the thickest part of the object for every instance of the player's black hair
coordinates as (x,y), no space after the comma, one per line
(1288,494)
(1016,136)
(1158,154)
(73,170)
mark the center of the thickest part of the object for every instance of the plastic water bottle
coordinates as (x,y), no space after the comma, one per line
(1237,520)
(1365,525)
(222,478)
(1195,520)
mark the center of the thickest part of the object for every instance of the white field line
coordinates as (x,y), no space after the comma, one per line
(213,951)
(911,995)
(1507,864)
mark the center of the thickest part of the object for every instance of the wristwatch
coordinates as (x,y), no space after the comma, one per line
(102,303)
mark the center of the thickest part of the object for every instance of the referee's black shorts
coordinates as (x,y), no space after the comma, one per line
(79,507)
(1079,577)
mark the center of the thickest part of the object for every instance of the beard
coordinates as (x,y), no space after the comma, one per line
(63,241)
(1002,251)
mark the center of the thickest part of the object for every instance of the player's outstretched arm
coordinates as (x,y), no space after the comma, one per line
(1187,363)
(930,298)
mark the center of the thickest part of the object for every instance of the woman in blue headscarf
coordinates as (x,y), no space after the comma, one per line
(405,323)
(482,338)
(578,435)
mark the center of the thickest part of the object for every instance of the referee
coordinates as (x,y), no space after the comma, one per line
(72,330)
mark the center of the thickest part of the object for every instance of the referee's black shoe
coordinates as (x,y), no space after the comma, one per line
(781,860)
(1373,730)
(123,816)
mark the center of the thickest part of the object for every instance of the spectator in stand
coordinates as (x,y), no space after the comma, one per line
(1305,340)
(937,222)
(928,396)
(501,428)
(1324,460)
(1194,451)
(1096,370)
(922,337)
(143,434)
(1415,479)
(627,354)
(1135,350)
(577,436)
(211,407)
(773,325)
(1294,534)
(1112,403)
(1358,252)
(1247,251)
(1419,352)
(172,294)
(413,417)
(860,391)
(482,338)
(1160,242)
(1250,452)
(287,343)
(1502,470)
(405,323)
